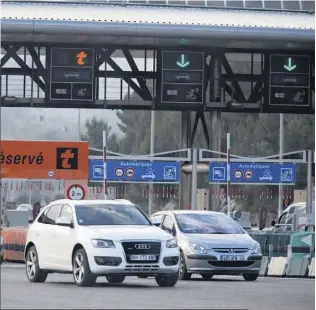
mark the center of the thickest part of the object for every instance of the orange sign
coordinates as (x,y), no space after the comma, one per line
(80,58)
(44,160)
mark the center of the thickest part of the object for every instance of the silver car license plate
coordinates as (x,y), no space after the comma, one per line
(232,257)
(143,257)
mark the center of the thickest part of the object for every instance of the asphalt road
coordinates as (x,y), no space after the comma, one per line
(59,292)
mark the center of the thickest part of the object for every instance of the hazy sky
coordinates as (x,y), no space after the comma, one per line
(31,123)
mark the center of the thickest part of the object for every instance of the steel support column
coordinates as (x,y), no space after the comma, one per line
(186,179)
(216,124)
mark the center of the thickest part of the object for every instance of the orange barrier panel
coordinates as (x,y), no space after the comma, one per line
(14,240)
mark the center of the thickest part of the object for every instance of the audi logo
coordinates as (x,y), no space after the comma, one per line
(141,246)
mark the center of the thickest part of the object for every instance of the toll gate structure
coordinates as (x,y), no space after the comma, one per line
(198,57)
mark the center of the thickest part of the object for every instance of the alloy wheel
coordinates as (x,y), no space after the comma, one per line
(181,265)
(79,268)
(31,264)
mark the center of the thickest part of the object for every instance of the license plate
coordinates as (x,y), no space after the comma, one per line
(143,257)
(232,257)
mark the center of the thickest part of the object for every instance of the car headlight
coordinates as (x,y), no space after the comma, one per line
(102,243)
(256,249)
(171,243)
(198,249)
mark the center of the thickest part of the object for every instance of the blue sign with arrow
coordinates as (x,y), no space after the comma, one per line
(253,173)
(135,171)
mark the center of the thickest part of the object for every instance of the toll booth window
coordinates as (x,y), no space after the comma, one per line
(308,5)
(291,5)
(272,5)
(235,4)
(216,3)
(254,4)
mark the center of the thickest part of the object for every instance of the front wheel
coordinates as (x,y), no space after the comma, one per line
(184,275)
(250,276)
(167,281)
(81,269)
(33,271)
(115,279)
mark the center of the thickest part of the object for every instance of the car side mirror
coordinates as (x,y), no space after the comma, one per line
(155,222)
(64,221)
(272,223)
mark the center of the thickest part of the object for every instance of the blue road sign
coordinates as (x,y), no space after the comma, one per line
(253,173)
(135,171)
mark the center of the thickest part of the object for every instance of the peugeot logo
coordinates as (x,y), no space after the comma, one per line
(231,250)
(142,246)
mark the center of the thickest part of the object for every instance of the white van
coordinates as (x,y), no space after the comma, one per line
(287,215)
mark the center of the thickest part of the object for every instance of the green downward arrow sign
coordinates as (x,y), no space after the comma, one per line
(289,66)
(182,64)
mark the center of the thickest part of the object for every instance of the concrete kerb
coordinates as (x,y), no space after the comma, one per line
(277,266)
(297,267)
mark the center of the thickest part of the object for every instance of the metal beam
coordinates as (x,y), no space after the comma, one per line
(134,68)
(27,69)
(194,129)
(104,55)
(239,96)
(131,83)
(40,68)
(227,82)
(10,50)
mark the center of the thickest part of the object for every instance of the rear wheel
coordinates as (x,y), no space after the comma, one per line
(183,274)
(250,276)
(33,271)
(81,269)
(167,281)
(206,276)
(115,279)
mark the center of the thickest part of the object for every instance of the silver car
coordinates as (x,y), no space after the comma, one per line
(211,243)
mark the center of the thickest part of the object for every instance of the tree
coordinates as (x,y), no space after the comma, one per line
(94,135)
(253,135)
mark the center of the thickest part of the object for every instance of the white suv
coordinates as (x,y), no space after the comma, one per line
(91,238)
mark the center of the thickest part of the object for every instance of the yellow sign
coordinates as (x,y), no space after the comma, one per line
(81,58)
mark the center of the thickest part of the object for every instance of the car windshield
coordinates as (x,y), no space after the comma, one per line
(110,214)
(198,223)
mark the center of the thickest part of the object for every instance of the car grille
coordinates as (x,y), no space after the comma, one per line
(230,263)
(145,248)
(230,250)
(141,268)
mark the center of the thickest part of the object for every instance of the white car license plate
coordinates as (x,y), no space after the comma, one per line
(143,257)
(232,257)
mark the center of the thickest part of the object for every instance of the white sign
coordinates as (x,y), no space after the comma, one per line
(219,173)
